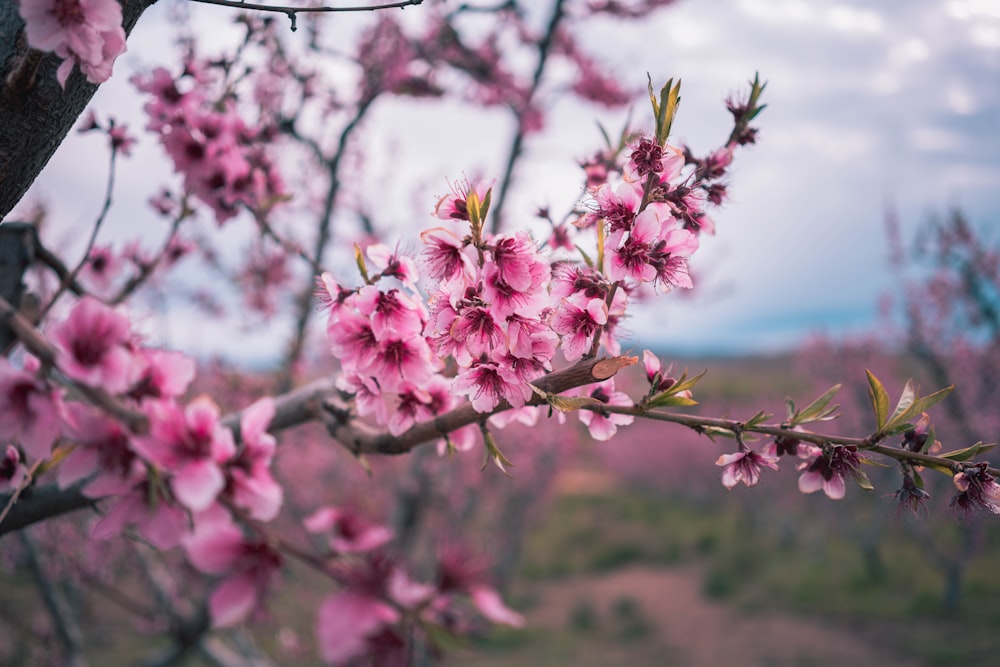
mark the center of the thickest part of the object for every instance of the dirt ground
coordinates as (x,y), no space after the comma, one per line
(584,621)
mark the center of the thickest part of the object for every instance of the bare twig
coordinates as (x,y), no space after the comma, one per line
(66,625)
(517,145)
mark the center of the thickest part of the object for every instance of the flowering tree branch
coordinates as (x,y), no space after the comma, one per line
(37,113)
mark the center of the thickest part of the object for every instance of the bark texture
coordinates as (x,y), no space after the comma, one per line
(36,114)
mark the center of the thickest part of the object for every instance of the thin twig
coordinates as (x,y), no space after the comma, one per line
(544,48)
(71,278)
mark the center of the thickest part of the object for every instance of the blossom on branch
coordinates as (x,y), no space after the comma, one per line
(84,32)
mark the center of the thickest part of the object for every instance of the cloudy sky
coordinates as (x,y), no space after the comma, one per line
(870,106)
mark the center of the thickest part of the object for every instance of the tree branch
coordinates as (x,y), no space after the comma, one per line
(36,113)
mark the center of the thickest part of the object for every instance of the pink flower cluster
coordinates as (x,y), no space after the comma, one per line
(221,157)
(87,33)
(187,467)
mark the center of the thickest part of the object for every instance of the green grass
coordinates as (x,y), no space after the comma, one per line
(800,564)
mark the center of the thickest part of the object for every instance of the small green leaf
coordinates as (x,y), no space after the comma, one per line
(931,439)
(968,452)
(359,259)
(571,403)
(862,479)
(905,401)
(818,410)
(712,431)
(666,400)
(586,258)
(484,207)
(493,453)
(757,419)
(684,383)
(541,393)
(879,398)
(920,405)
(604,133)
(790,408)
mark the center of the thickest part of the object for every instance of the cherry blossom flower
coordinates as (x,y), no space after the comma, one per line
(577,319)
(827,470)
(604,425)
(744,466)
(84,32)
(101,268)
(350,532)
(459,571)
(30,411)
(347,622)
(453,206)
(95,346)
(487,384)
(977,490)
(446,256)
(249,480)
(359,619)
(218,546)
(12,470)
(103,452)
(154,516)
(191,445)
(165,374)
(391,264)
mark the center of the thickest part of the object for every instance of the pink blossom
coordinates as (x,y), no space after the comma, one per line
(603,425)
(618,206)
(446,255)
(352,340)
(102,452)
(826,470)
(517,262)
(12,470)
(368,397)
(578,319)
(398,361)
(191,445)
(460,571)
(101,268)
(350,532)
(156,518)
(453,206)
(165,374)
(487,384)
(217,546)
(347,621)
(744,466)
(95,346)
(84,32)
(977,490)
(249,478)
(30,411)
(391,264)
(651,364)
(392,313)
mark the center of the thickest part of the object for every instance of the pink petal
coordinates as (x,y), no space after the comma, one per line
(233,600)
(345,621)
(490,605)
(197,484)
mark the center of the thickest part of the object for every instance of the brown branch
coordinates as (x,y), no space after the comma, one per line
(517,145)
(38,345)
(291,11)
(361,438)
(36,113)
(698,424)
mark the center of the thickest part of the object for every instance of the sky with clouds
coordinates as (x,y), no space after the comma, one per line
(870,106)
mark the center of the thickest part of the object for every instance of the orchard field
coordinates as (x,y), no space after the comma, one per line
(369,334)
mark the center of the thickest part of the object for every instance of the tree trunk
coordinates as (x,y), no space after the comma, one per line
(36,114)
